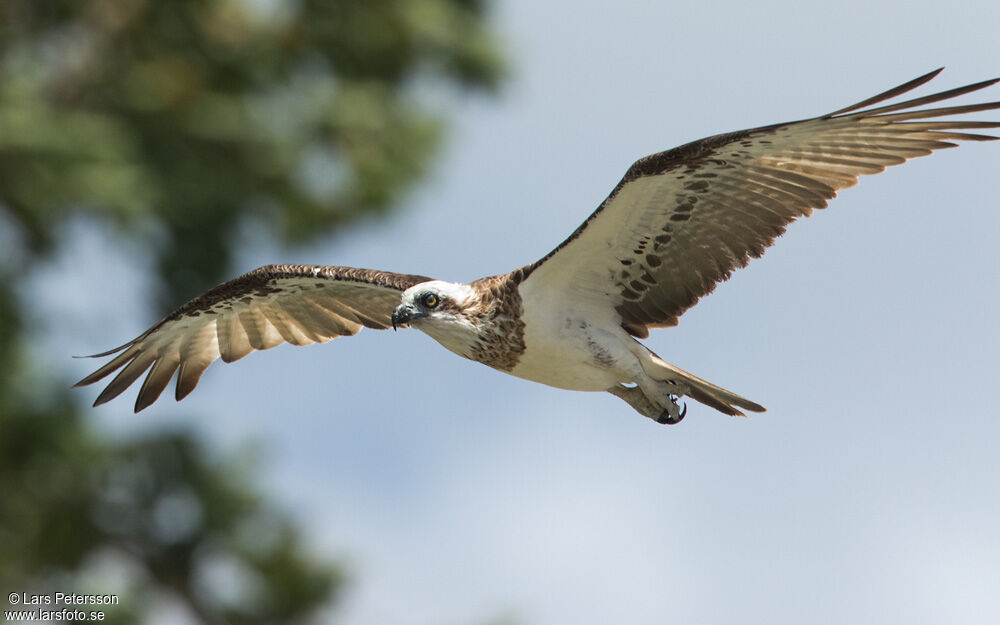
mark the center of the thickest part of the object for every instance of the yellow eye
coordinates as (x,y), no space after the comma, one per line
(429,300)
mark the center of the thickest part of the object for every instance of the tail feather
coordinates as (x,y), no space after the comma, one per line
(702,391)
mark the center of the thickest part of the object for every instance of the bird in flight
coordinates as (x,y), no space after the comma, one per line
(676,225)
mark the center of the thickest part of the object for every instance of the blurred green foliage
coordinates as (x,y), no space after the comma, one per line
(174,122)
(179,119)
(188,526)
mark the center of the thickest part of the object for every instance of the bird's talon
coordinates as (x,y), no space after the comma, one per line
(667,417)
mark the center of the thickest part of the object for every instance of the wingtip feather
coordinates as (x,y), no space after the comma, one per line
(891,93)
(114,350)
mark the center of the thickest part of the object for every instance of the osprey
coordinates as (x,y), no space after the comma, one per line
(676,225)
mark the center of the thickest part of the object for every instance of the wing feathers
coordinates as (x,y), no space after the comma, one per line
(315,324)
(126,377)
(198,349)
(280,321)
(110,366)
(891,93)
(365,318)
(325,323)
(941,112)
(190,373)
(930,99)
(791,189)
(157,380)
(341,317)
(233,340)
(297,304)
(260,334)
(904,126)
(683,220)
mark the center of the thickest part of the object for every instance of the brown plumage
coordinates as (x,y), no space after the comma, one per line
(677,224)
(498,311)
(681,221)
(297,304)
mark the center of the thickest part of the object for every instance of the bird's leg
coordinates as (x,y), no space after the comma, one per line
(633,396)
(672,414)
(636,398)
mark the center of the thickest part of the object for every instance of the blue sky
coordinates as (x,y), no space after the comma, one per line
(867,492)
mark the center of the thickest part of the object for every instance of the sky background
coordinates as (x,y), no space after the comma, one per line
(870,490)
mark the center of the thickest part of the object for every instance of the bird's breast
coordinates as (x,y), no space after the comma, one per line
(567,352)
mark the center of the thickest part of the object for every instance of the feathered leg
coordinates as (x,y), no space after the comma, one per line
(635,397)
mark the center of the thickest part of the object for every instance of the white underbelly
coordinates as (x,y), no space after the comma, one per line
(572,355)
(578,376)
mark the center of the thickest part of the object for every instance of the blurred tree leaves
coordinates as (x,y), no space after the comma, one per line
(174,122)
(186,525)
(179,119)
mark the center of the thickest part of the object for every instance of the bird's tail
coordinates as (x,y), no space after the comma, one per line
(705,392)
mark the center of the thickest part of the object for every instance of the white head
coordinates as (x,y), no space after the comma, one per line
(442,311)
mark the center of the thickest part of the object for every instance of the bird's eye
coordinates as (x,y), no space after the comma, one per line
(429,300)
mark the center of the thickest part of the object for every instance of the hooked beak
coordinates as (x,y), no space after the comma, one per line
(402,315)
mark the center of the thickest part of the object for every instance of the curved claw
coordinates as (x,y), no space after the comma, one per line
(668,419)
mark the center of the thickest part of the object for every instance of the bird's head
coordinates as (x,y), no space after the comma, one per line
(442,310)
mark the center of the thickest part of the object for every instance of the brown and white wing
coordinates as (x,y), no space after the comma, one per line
(297,304)
(681,221)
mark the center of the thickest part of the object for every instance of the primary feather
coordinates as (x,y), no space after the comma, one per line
(677,224)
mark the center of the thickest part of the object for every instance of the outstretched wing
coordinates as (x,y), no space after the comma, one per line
(681,221)
(297,304)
